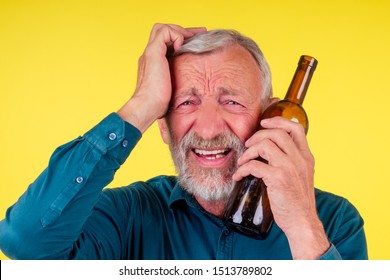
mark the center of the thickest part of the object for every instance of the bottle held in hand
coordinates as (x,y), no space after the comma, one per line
(248,209)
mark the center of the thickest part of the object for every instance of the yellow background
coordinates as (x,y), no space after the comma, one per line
(65,65)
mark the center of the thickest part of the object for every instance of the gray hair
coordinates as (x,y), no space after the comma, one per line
(221,38)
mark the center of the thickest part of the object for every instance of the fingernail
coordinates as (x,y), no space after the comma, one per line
(265,121)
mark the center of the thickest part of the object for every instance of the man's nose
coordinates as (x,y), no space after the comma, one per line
(209,122)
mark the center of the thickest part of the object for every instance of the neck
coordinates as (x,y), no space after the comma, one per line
(216,208)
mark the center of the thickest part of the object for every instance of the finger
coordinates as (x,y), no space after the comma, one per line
(196,30)
(279,136)
(254,167)
(164,37)
(300,151)
(259,151)
(187,31)
(270,153)
(175,30)
(295,130)
(156,27)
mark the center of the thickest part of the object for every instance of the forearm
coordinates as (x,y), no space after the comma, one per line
(140,112)
(340,227)
(48,218)
(308,241)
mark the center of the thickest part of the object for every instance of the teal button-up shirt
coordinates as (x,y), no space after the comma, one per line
(66,214)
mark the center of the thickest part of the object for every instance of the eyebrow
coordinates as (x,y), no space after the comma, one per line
(227,91)
(183,94)
(191,91)
(222,91)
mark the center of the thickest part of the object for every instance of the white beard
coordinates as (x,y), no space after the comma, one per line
(209,184)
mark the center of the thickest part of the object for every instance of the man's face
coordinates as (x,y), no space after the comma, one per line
(215,107)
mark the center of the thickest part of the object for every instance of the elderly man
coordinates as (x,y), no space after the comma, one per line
(207,90)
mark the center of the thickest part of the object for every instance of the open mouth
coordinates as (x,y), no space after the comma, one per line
(212,154)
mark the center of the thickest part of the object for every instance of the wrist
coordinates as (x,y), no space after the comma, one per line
(308,241)
(138,112)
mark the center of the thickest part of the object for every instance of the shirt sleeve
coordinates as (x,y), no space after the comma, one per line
(345,229)
(331,254)
(48,218)
(349,238)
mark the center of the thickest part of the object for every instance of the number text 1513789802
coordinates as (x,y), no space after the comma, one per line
(242,270)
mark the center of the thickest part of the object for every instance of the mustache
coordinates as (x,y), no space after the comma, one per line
(211,184)
(225,139)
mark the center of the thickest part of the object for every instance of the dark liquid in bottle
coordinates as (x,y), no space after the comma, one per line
(248,209)
(251,197)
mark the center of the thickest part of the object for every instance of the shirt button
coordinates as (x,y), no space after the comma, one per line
(226,231)
(112,136)
(79,180)
(125,143)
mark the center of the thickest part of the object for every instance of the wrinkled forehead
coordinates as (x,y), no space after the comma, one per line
(219,39)
(230,69)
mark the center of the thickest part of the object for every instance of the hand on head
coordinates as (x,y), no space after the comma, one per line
(153,92)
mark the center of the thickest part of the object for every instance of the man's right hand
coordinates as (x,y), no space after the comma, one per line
(154,88)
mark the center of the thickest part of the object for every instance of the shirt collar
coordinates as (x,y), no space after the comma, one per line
(178,196)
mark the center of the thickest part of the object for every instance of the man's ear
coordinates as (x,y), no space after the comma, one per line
(270,101)
(164,131)
(273,100)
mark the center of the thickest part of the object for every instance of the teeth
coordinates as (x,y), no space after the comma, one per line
(214,152)
(211,154)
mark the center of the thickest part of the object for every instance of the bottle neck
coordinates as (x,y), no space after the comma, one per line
(297,91)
